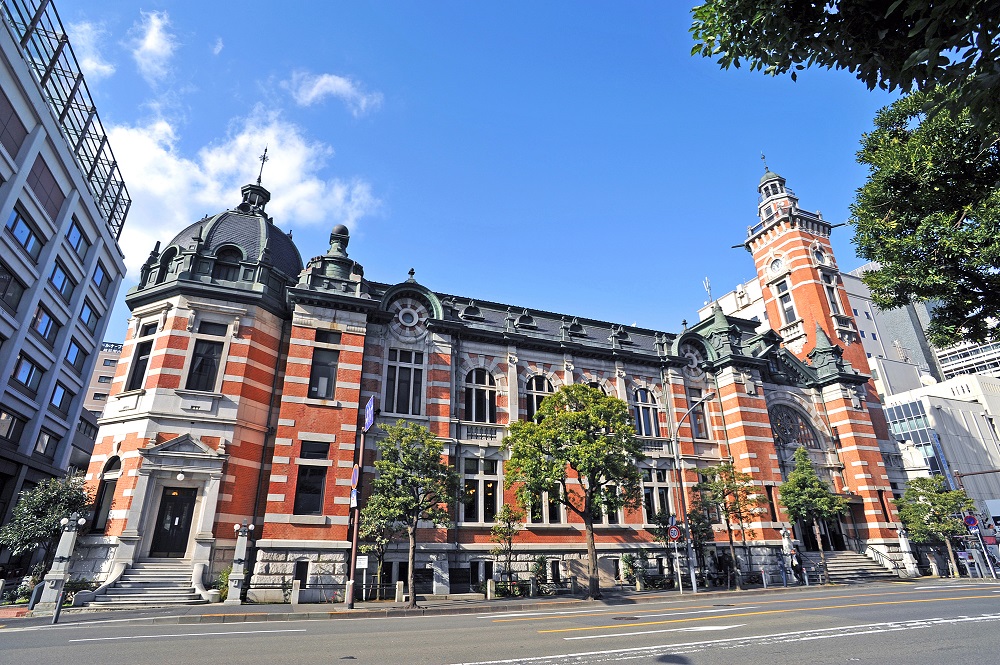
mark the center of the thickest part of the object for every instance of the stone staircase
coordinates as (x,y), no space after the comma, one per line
(850,568)
(151,583)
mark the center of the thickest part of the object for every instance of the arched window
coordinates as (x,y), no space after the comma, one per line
(790,428)
(597,384)
(480,397)
(538,389)
(647,417)
(106,492)
(166,264)
(227,264)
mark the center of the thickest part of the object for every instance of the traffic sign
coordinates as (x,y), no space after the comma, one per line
(354,498)
(362,561)
(674,533)
(973,529)
(355,474)
(970,520)
(370,413)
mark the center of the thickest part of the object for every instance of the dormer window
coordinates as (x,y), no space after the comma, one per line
(227,264)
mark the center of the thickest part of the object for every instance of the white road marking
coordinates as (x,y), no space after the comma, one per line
(734,608)
(695,629)
(155,637)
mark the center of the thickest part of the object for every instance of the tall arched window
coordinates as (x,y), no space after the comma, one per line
(480,397)
(227,264)
(106,492)
(647,417)
(538,389)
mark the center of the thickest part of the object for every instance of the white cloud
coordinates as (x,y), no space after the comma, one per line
(308,89)
(85,38)
(170,191)
(217,48)
(153,45)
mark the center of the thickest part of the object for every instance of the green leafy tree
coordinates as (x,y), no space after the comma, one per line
(412,483)
(700,527)
(582,450)
(929,215)
(807,498)
(507,525)
(378,530)
(932,512)
(906,45)
(736,497)
(35,524)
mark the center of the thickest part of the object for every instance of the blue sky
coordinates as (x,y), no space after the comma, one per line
(566,156)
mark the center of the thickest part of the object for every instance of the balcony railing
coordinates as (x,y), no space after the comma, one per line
(656,447)
(483,432)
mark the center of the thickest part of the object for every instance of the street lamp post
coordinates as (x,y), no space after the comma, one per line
(680,490)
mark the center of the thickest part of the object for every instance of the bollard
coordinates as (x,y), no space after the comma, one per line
(532,587)
(58,608)
(296,585)
(572,585)
(491,589)
(399,591)
(806,575)
(763,577)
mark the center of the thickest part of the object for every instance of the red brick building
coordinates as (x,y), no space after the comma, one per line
(242,384)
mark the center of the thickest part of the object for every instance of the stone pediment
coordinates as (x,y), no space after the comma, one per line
(184,445)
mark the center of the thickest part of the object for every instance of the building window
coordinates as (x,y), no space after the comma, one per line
(227,264)
(88,316)
(207,357)
(25,232)
(539,388)
(545,508)
(104,378)
(45,325)
(863,334)
(27,373)
(699,430)
(63,283)
(831,293)
(323,376)
(309,490)
(102,280)
(785,303)
(480,397)
(106,493)
(874,337)
(100,397)
(43,184)
(314,450)
(77,240)
(404,382)
(647,416)
(12,130)
(11,289)
(482,489)
(655,493)
(597,386)
(75,356)
(868,315)
(11,426)
(61,398)
(110,362)
(45,444)
(327,336)
(140,357)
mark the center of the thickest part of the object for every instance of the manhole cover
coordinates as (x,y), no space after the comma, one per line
(624,618)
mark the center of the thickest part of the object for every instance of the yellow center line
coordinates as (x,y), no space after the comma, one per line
(716,617)
(743,601)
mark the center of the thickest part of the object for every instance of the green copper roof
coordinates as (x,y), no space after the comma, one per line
(770,175)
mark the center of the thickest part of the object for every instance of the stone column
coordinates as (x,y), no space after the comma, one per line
(58,575)
(238,572)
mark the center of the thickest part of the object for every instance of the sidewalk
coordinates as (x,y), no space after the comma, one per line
(220,613)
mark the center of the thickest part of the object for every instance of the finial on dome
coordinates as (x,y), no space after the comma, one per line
(263,158)
(411,273)
(762,158)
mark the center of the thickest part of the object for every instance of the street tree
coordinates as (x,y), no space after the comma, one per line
(735,495)
(582,450)
(905,45)
(931,512)
(807,498)
(412,484)
(929,216)
(35,523)
(507,526)
(379,528)
(700,526)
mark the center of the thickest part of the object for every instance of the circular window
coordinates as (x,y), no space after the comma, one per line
(408,317)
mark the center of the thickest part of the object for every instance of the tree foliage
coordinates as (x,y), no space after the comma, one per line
(379,527)
(929,215)
(906,45)
(412,484)
(35,521)
(931,512)
(807,498)
(582,450)
(507,525)
(736,497)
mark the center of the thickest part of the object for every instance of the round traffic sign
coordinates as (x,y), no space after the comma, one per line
(674,533)
(354,476)
(970,520)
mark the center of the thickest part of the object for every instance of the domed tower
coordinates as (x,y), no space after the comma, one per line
(185,435)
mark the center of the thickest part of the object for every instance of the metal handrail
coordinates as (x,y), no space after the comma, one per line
(881,558)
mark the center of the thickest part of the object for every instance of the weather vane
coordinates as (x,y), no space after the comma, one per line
(763,159)
(708,288)
(262,159)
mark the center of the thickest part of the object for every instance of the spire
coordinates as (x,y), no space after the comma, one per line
(262,159)
(823,342)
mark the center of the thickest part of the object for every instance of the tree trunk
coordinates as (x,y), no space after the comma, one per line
(822,553)
(951,556)
(412,533)
(732,553)
(378,577)
(594,581)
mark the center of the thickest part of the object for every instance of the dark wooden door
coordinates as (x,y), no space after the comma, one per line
(173,523)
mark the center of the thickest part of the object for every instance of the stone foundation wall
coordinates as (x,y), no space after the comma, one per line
(92,558)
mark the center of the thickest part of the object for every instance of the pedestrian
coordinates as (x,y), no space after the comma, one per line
(797,569)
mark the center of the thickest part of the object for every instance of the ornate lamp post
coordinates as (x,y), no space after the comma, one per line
(238,571)
(680,490)
(58,575)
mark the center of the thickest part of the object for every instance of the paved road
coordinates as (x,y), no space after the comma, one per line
(917,623)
